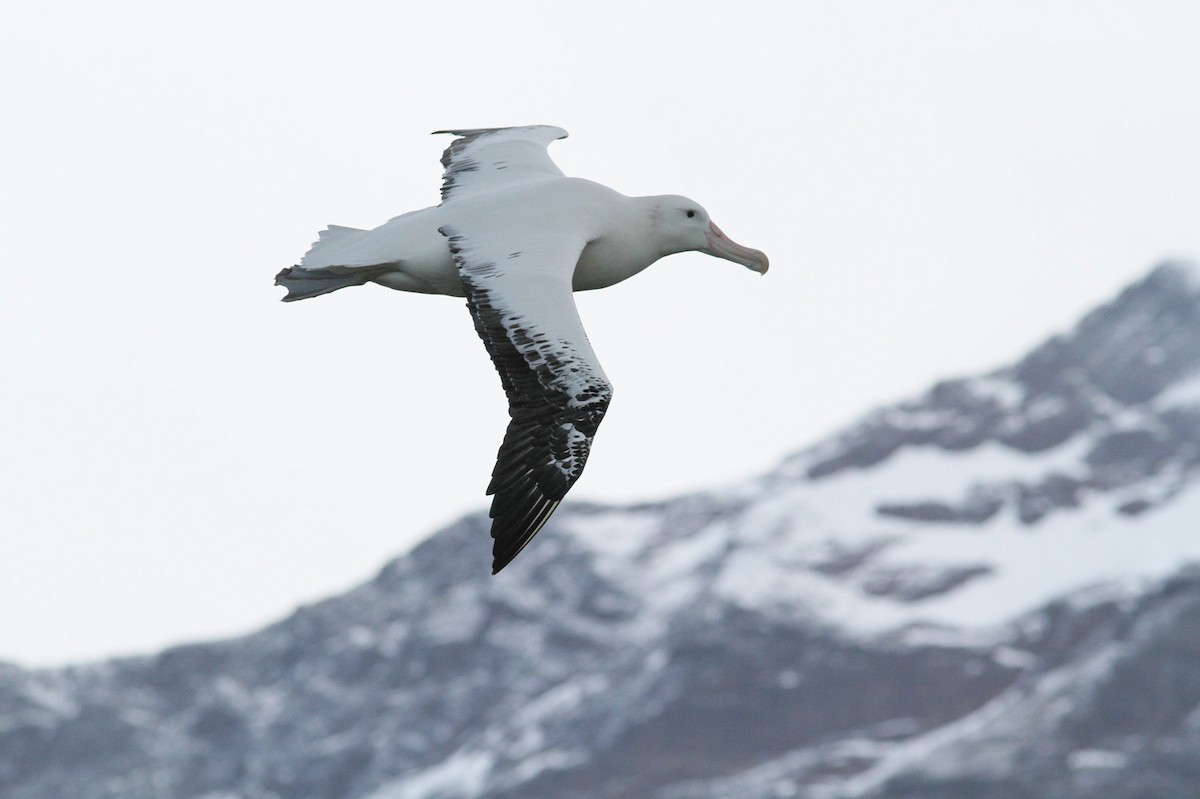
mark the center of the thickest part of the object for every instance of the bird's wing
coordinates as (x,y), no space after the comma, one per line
(488,158)
(520,297)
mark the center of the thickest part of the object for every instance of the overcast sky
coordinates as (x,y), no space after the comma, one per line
(939,186)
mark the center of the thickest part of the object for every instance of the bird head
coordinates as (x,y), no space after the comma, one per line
(683,225)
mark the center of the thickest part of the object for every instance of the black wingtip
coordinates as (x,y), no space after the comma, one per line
(514,533)
(500,560)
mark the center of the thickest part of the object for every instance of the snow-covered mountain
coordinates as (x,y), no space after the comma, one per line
(988,592)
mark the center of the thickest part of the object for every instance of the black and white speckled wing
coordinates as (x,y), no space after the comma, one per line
(488,158)
(520,297)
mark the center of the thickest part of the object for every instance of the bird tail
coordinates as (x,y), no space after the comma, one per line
(329,265)
(303,283)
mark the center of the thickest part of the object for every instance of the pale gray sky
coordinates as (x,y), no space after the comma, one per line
(939,186)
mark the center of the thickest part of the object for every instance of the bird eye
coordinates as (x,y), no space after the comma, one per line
(691,214)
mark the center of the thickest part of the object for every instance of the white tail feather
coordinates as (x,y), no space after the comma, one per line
(331,246)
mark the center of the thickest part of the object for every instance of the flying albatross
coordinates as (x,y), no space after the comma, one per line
(515,237)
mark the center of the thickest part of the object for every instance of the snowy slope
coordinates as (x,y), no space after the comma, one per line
(987,591)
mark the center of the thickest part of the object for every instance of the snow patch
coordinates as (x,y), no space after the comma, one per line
(551,760)
(1082,759)
(1183,393)
(362,637)
(780,547)
(617,534)
(682,557)
(1006,393)
(463,775)
(456,617)
(561,699)
(1014,658)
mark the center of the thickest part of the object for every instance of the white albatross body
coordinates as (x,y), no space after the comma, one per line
(515,237)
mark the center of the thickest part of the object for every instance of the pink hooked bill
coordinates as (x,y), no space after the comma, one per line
(722,246)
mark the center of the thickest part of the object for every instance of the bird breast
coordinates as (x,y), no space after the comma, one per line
(607,261)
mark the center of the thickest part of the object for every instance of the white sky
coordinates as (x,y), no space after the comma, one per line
(939,186)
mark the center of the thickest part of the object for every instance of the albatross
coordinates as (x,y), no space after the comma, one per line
(515,237)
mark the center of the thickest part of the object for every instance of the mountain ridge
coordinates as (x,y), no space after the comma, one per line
(957,595)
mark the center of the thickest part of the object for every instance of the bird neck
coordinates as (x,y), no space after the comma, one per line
(649,225)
